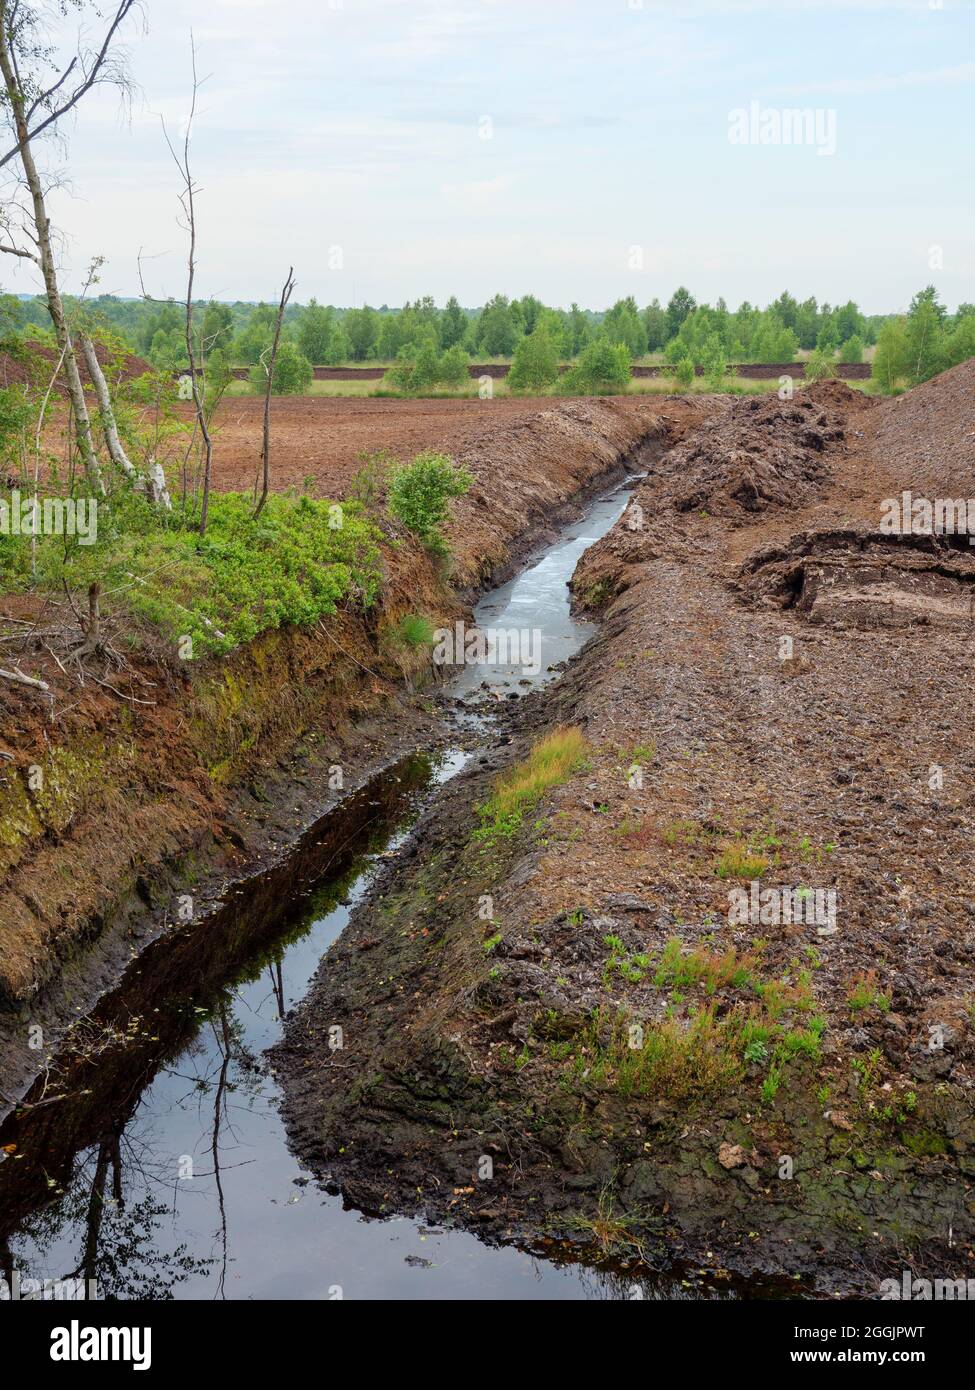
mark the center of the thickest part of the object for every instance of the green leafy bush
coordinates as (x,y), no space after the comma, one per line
(420,367)
(603,368)
(820,365)
(293,372)
(684,372)
(419,493)
(536,362)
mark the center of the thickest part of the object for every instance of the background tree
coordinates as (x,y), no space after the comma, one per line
(577,332)
(655,326)
(536,362)
(603,367)
(217,327)
(925,336)
(623,324)
(292,373)
(889,366)
(852,349)
(362,329)
(316,326)
(453,324)
(497,331)
(682,302)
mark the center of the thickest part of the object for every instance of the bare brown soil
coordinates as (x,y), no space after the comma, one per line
(795,688)
(41,363)
(321,437)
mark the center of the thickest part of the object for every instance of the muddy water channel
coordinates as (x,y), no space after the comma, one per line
(153,1159)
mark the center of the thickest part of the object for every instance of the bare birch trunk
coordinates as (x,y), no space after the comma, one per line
(155,485)
(45,260)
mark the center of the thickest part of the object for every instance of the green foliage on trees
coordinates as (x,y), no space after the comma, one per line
(820,365)
(684,372)
(682,303)
(623,324)
(603,368)
(536,362)
(292,372)
(852,349)
(421,367)
(315,331)
(254,338)
(453,324)
(362,330)
(960,344)
(216,328)
(497,329)
(889,367)
(655,326)
(714,362)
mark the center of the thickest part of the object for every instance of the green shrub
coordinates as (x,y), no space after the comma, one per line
(715,362)
(292,373)
(369,483)
(820,365)
(419,493)
(453,367)
(852,349)
(536,362)
(684,372)
(603,368)
(291,565)
(419,367)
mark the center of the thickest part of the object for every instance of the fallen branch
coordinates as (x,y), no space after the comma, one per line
(19,678)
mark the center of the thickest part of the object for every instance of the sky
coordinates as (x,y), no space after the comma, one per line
(579,150)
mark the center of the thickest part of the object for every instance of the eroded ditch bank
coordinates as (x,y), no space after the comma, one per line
(797,1096)
(237,758)
(151,1156)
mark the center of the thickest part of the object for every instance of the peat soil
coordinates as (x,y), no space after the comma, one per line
(601,1027)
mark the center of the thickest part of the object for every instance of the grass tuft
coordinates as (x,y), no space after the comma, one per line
(551,762)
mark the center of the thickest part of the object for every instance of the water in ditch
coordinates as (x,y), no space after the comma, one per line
(164,1171)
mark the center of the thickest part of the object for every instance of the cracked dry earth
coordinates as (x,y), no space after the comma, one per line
(778,695)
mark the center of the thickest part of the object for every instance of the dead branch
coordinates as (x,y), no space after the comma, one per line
(188,200)
(92,68)
(286,293)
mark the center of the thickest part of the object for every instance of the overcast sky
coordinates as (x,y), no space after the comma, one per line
(575,149)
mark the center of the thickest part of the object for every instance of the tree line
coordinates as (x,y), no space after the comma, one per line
(327,335)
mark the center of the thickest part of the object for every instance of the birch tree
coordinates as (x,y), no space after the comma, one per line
(36,95)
